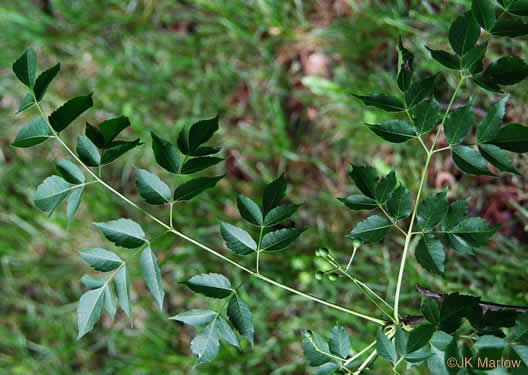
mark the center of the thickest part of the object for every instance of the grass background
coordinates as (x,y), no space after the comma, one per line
(167,63)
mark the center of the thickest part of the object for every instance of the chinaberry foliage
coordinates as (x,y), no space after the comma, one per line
(445,323)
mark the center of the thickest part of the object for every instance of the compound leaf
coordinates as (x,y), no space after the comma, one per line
(498,158)
(426,115)
(226,332)
(419,91)
(111,128)
(365,178)
(118,148)
(385,187)
(432,210)
(206,344)
(358,202)
(399,204)
(512,137)
(279,214)
(199,164)
(490,125)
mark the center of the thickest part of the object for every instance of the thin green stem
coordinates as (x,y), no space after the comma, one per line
(199,244)
(391,219)
(441,149)
(418,196)
(258,247)
(351,258)
(359,354)
(171,206)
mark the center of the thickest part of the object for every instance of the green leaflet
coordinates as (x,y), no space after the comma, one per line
(25,68)
(192,188)
(395,131)
(205,150)
(211,285)
(459,124)
(315,349)
(273,194)
(192,137)
(445,58)
(117,149)
(70,172)
(50,194)
(385,187)
(199,164)
(475,231)
(74,200)
(370,230)
(400,203)
(458,210)
(34,133)
(100,259)
(460,244)
(400,341)
(490,125)
(419,91)
(240,316)
(339,342)
(196,318)
(430,254)
(365,178)
(122,285)
(92,282)
(27,102)
(472,60)
(151,188)
(249,210)
(152,275)
(87,152)
(426,115)
(226,332)
(419,337)
(44,80)
(123,232)
(432,210)
(464,33)
(359,202)
(508,70)
(498,158)
(327,369)
(384,347)
(109,302)
(94,135)
(69,111)
(111,128)
(510,28)
(484,13)
(167,156)
(280,239)
(512,137)
(207,343)
(470,161)
(279,214)
(386,102)
(237,240)
(89,310)
(405,67)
